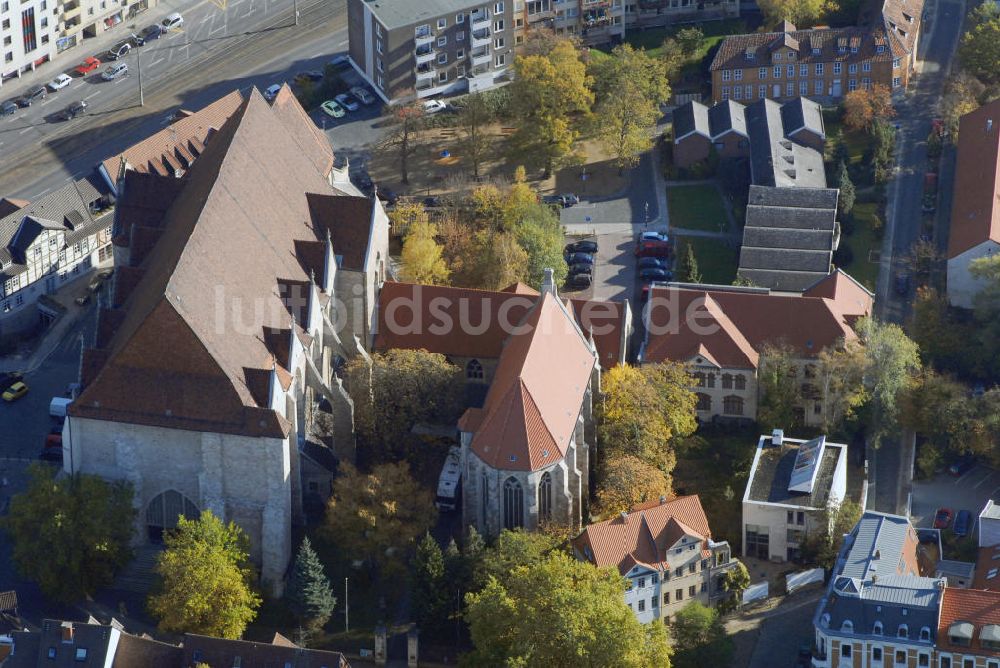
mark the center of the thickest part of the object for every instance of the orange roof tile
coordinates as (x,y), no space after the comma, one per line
(975,213)
(644,534)
(978,607)
(531,409)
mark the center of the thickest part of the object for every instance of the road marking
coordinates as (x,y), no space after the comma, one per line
(219,29)
(342,42)
(24,130)
(47,100)
(988,476)
(316,55)
(156,62)
(95,93)
(964,477)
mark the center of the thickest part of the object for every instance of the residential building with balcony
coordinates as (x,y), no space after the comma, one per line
(823,63)
(791,483)
(408,50)
(666,551)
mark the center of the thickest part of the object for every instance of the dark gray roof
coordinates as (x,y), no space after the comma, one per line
(802,114)
(773,474)
(33,649)
(789,237)
(68,208)
(894,601)
(776,160)
(401,13)
(726,116)
(691,118)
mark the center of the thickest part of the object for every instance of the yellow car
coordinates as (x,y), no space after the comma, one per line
(15,391)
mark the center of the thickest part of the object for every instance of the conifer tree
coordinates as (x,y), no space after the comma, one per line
(429,591)
(309,590)
(847,191)
(688,268)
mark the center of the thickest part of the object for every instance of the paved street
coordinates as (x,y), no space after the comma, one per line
(937,49)
(248,43)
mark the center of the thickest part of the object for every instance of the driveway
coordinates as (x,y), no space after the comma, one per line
(969,492)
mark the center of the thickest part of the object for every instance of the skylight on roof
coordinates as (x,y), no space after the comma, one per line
(807,465)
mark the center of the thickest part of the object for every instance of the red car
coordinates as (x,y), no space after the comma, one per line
(942,518)
(88,65)
(652,249)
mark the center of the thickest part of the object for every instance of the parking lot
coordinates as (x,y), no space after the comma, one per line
(968,492)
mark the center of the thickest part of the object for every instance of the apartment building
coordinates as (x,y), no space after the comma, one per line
(28,31)
(434,47)
(791,483)
(821,62)
(33,32)
(666,551)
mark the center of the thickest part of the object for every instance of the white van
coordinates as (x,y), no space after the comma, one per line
(58,405)
(172,21)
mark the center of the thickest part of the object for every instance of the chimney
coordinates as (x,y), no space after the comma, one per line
(663,499)
(549,284)
(67,632)
(777,437)
(624,516)
(989,125)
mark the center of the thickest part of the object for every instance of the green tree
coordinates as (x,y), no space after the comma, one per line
(777,388)
(735,581)
(847,192)
(673,57)
(961,96)
(541,237)
(373,517)
(822,544)
(864,106)
(395,390)
(840,376)
(206,579)
(979,51)
(687,270)
(429,588)
(986,308)
(631,85)
(892,362)
(309,591)
(511,550)
(883,155)
(421,259)
(645,410)
(70,534)
(473,118)
(803,13)
(699,637)
(550,95)
(690,40)
(512,622)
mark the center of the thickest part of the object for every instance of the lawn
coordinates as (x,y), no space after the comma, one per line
(714,31)
(862,242)
(717,261)
(856,141)
(696,208)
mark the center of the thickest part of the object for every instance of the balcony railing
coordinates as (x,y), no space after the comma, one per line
(425,36)
(426,71)
(481,57)
(479,17)
(481,37)
(424,54)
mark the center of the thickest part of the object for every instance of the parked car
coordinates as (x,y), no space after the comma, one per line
(311,76)
(60,82)
(582,247)
(332,108)
(363,94)
(119,50)
(271,92)
(575,269)
(88,65)
(33,95)
(652,263)
(347,102)
(72,111)
(656,274)
(579,258)
(9,378)
(54,438)
(115,71)
(565,200)
(902,283)
(579,281)
(8,108)
(434,106)
(172,22)
(942,518)
(653,236)
(15,391)
(653,249)
(149,33)
(962,521)
(962,465)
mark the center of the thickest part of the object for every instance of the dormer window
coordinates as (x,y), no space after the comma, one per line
(816,51)
(791,55)
(847,626)
(903,631)
(880,48)
(925,633)
(877,629)
(777,56)
(960,633)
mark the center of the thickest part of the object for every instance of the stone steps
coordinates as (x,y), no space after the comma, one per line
(139,576)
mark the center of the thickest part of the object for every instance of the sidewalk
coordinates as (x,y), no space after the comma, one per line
(33,356)
(95,46)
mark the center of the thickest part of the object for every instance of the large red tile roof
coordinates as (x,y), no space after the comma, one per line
(975,214)
(414,317)
(975,606)
(533,404)
(644,534)
(731,326)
